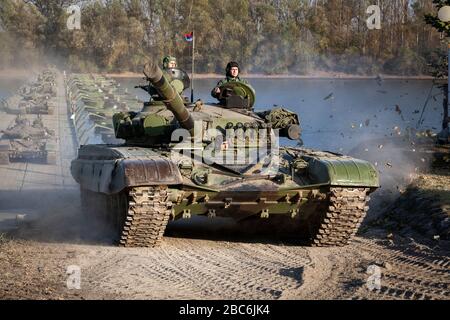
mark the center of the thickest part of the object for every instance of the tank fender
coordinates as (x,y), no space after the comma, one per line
(113,176)
(348,172)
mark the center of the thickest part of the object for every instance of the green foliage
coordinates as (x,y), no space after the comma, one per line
(433,20)
(438,63)
(265,36)
(407,62)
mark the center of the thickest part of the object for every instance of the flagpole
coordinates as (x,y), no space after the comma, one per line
(193,67)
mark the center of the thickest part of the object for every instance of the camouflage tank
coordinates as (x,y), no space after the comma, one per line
(41,105)
(48,76)
(25,141)
(44,85)
(30,92)
(23,129)
(217,160)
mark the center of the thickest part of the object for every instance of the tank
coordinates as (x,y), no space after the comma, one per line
(40,105)
(48,76)
(45,85)
(23,128)
(224,159)
(27,141)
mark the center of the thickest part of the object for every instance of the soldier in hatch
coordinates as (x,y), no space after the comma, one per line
(177,77)
(232,75)
(169,63)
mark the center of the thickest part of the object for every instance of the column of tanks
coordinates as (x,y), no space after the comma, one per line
(93,100)
(27,138)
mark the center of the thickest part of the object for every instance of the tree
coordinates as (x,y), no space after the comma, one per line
(265,36)
(440,64)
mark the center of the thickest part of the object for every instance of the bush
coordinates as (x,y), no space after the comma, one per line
(407,62)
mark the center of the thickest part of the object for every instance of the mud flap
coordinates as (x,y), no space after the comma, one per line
(113,176)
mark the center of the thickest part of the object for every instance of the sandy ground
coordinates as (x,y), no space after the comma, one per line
(225,268)
(207,260)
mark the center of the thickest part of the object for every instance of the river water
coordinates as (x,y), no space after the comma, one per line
(336,115)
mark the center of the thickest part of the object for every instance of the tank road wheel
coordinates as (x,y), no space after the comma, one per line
(146,215)
(342,219)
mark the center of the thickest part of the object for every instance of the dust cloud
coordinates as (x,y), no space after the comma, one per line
(52,215)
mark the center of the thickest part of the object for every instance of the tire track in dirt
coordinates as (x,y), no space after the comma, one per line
(408,273)
(197,269)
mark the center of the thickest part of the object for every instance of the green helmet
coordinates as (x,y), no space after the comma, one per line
(167,60)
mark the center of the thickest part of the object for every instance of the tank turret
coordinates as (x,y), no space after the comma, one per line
(170,96)
(169,111)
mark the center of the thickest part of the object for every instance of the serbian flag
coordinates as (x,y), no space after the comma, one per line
(189,36)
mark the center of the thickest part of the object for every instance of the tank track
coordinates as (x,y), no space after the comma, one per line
(148,212)
(346,211)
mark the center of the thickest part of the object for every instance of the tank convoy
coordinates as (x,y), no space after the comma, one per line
(34,98)
(39,105)
(94,100)
(26,141)
(181,159)
(44,86)
(30,92)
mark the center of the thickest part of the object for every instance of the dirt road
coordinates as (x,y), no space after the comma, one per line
(203,261)
(186,268)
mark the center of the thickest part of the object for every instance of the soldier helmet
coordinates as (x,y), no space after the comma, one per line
(167,60)
(230,65)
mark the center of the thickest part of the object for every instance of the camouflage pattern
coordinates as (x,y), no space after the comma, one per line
(176,163)
(26,141)
(227,80)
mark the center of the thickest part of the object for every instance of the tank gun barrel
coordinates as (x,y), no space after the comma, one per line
(172,99)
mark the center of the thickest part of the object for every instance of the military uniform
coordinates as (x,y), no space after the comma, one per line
(171,74)
(167,60)
(228,79)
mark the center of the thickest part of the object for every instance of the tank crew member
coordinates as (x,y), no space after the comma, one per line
(171,69)
(232,75)
(177,77)
(169,62)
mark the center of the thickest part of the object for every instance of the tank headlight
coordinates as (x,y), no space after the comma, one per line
(200,177)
